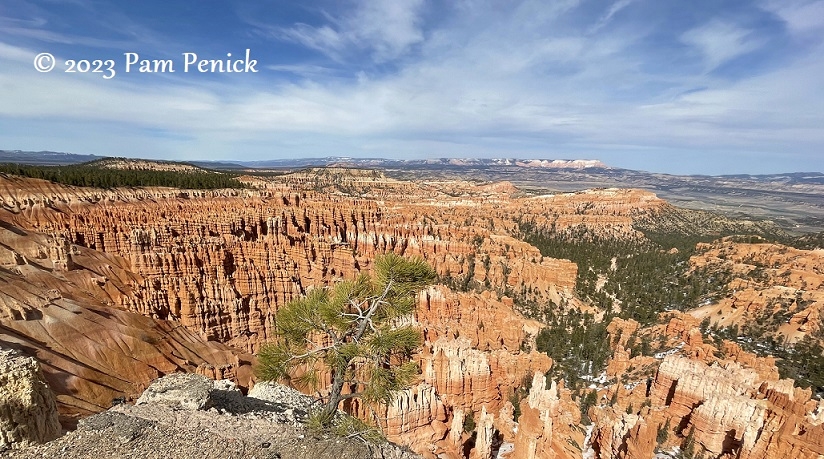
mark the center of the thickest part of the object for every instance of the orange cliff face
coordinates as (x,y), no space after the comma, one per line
(548,423)
(735,405)
(468,368)
(58,304)
(731,410)
(112,288)
(767,280)
(190,280)
(221,262)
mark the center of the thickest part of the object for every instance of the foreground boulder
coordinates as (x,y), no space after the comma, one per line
(185,390)
(184,415)
(28,410)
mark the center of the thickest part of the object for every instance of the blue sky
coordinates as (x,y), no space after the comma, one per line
(703,86)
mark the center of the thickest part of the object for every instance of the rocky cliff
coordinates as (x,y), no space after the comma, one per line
(28,410)
(60,305)
(222,264)
(160,280)
(773,286)
(727,410)
(113,288)
(547,425)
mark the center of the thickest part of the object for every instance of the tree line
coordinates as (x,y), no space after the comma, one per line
(92,175)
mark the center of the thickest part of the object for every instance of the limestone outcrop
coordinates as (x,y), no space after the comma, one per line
(192,416)
(220,262)
(28,410)
(417,417)
(621,435)
(545,426)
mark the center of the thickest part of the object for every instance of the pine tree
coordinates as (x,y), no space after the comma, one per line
(688,447)
(351,331)
(663,433)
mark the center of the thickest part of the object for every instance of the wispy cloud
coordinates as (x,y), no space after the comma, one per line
(801,16)
(303,70)
(720,41)
(384,28)
(14,53)
(607,17)
(80,24)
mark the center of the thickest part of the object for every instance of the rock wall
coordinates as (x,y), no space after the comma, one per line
(417,417)
(546,427)
(180,278)
(92,351)
(28,410)
(459,379)
(731,412)
(767,281)
(221,262)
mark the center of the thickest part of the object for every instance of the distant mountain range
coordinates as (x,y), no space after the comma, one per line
(45,158)
(383,163)
(57,158)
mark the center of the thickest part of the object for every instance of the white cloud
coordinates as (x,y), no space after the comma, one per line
(303,70)
(386,28)
(59,95)
(14,53)
(324,39)
(391,26)
(802,17)
(607,17)
(766,107)
(721,41)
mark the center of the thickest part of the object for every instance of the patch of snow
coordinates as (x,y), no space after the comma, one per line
(631,386)
(600,379)
(671,454)
(588,452)
(661,355)
(505,448)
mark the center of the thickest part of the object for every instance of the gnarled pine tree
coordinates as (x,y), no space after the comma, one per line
(351,330)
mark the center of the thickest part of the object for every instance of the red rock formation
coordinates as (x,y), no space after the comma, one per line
(620,330)
(619,362)
(197,271)
(764,366)
(732,412)
(686,328)
(546,423)
(221,265)
(91,350)
(769,280)
(417,417)
(534,437)
(469,378)
(505,423)
(620,435)
(485,435)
